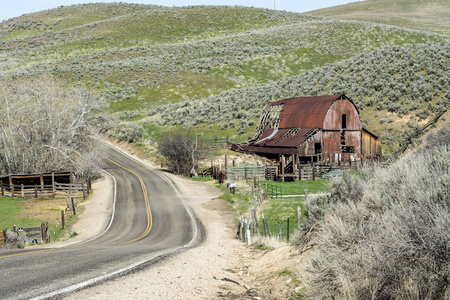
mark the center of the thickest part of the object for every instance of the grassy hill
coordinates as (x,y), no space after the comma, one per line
(427,15)
(212,68)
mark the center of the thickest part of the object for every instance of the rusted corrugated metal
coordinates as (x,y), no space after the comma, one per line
(280,139)
(333,119)
(270,150)
(310,126)
(306,112)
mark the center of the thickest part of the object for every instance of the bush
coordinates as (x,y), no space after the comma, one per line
(386,233)
(181,151)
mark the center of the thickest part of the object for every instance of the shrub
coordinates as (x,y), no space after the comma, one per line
(182,152)
(386,233)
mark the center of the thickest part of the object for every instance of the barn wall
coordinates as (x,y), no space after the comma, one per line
(371,146)
(333,118)
(307,148)
(331,141)
(353,138)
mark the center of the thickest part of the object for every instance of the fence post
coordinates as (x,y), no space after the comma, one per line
(245,173)
(53,185)
(89,185)
(42,231)
(268,228)
(73,208)
(300,174)
(299,217)
(256,222)
(2,189)
(263,226)
(279,231)
(84,192)
(22,190)
(288,229)
(35,191)
(313,172)
(12,190)
(62,219)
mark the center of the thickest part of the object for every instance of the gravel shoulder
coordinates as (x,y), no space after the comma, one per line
(221,267)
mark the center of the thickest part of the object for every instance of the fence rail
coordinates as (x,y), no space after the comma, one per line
(59,189)
(246,172)
(216,142)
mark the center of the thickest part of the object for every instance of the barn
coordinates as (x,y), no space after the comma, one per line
(312,129)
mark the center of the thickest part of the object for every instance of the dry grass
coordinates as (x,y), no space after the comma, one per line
(386,233)
(429,16)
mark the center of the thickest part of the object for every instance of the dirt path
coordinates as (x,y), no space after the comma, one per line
(222,267)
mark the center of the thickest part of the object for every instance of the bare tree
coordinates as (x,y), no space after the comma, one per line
(40,123)
(181,151)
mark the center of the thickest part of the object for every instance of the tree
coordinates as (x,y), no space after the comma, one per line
(41,122)
(181,151)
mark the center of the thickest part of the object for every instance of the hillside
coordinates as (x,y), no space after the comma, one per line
(213,67)
(426,15)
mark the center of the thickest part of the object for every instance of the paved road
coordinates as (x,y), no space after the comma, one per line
(150,222)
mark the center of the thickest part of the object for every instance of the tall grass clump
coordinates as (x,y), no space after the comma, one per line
(385,233)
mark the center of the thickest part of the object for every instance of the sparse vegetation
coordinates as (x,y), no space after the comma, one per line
(40,122)
(182,152)
(385,234)
(213,67)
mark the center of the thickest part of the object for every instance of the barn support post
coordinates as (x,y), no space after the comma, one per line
(22,190)
(282,167)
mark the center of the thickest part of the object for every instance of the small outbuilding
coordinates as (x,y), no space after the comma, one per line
(312,129)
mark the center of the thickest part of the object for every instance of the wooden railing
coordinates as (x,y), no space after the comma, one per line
(58,189)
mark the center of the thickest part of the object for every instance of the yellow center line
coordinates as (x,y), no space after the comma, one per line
(147,205)
(29,252)
(144,190)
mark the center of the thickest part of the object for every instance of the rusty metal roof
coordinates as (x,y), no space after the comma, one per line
(305,112)
(282,141)
(269,150)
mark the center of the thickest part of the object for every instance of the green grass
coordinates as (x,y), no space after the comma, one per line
(239,201)
(279,210)
(9,209)
(202,179)
(296,188)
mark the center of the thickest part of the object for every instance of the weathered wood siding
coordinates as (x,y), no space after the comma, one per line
(307,148)
(371,146)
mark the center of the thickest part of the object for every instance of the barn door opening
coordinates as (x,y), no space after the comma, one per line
(344,121)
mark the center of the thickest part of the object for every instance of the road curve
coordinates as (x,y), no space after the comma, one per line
(150,221)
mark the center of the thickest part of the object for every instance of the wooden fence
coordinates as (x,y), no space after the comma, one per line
(246,172)
(58,189)
(216,142)
(2,237)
